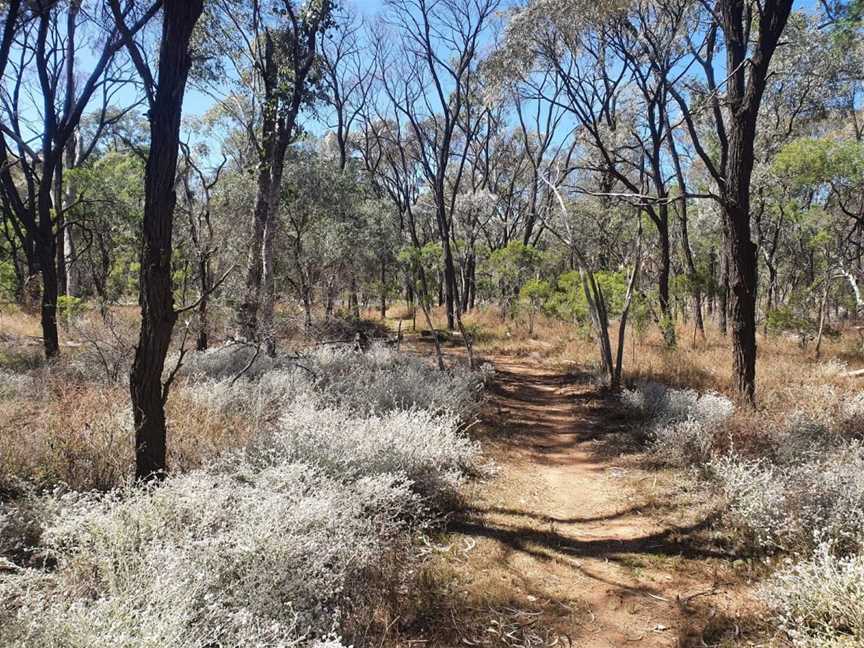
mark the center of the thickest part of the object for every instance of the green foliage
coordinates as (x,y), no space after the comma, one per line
(795,318)
(569,302)
(535,291)
(806,162)
(69,307)
(429,259)
(508,268)
(512,264)
(7,275)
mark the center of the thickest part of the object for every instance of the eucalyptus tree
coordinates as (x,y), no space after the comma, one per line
(40,58)
(607,66)
(733,92)
(164,89)
(547,140)
(348,70)
(272,48)
(198,189)
(429,78)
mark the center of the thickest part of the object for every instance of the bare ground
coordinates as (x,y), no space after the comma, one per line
(572,545)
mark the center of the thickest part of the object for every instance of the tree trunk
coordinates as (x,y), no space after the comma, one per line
(50,293)
(61,229)
(247,314)
(383,289)
(202,342)
(155,291)
(742,307)
(723,306)
(822,313)
(46,254)
(667,320)
(748,73)
(267,289)
(73,280)
(307,308)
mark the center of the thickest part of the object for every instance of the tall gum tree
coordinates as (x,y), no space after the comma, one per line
(751,32)
(273,48)
(165,94)
(37,58)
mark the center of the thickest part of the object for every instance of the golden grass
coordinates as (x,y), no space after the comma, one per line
(80,434)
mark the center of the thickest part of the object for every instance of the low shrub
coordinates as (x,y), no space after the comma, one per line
(266,545)
(819,603)
(240,556)
(14,385)
(680,424)
(380,380)
(794,508)
(431,450)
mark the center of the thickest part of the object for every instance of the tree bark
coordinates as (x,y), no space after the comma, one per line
(383,289)
(748,73)
(667,321)
(156,291)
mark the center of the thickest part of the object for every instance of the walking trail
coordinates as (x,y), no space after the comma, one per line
(571,545)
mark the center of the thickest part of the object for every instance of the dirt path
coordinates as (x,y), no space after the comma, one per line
(569,545)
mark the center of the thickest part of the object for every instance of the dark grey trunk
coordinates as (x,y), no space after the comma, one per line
(156,291)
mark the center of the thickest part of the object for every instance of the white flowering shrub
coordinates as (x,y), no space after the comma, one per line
(819,603)
(379,380)
(383,379)
(680,423)
(685,443)
(756,501)
(266,548)
(796,507)
(431,450)
(661,405)
(852,416)
(802,436)
(226,362)
(239,557)
(260,400)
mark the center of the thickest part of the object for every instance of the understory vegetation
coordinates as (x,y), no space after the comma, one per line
(787,483)
(343,459)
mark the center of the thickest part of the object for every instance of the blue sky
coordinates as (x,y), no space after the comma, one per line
(197,103)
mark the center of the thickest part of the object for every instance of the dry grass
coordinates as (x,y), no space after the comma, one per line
(786,373)
(79,434)
(70,423)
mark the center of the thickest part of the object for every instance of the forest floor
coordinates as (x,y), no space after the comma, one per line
(573,543)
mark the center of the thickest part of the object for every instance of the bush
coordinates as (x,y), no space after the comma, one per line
(660,405)
(756,501)
(222,557)
(680,424)
(272,544)
(685,443)
(819,603)
(430,450)
(797,507)
(383,380)
(380,380)
(14,385)
(226,362)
